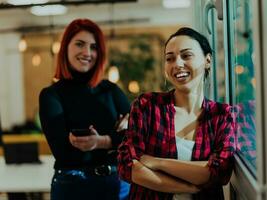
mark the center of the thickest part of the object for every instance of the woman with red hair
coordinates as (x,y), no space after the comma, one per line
(81,116)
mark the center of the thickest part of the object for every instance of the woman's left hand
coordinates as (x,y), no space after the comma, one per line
(85,143)
(122,123)
(149,161)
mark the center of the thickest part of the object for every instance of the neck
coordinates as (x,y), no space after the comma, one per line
(191,102)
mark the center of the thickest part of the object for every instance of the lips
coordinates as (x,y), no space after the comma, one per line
(85,60)
(182,74)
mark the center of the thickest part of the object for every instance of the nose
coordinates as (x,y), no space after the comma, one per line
(179,62)
(87,51)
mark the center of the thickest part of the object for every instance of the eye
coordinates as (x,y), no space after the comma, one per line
(93,47)
(169,58)
(186,56)
(79,44)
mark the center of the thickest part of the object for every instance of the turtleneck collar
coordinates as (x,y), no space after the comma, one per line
(81,77)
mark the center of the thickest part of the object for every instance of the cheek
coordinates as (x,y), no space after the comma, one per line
(69,55)
(199,70)
(166,68)
(95,54)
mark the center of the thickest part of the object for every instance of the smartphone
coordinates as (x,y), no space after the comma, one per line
(81,132)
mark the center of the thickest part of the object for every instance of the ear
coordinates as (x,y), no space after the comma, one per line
(208,59)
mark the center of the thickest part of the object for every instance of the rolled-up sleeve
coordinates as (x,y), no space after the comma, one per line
(133,145)
(222,158)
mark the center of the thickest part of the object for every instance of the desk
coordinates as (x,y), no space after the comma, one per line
(20,138)
(26,177)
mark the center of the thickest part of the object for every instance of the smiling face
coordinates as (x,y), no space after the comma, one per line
(185,63)
(82,51)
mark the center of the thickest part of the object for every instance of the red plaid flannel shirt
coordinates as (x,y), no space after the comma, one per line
(151,131)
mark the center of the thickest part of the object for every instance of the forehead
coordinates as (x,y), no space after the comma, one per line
(180,42)
(84,36)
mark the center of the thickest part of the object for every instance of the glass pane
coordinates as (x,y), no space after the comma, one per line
(245,82)
(217,85)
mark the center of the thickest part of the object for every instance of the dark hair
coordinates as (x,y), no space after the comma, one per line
(201,39)
(63,70)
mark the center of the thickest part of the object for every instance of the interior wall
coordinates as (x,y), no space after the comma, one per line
(11,82)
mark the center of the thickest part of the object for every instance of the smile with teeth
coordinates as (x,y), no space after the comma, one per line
(182,75)
(84,60)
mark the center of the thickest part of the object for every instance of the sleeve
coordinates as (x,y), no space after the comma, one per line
(53,122)
(133,145)
(222,158)
(122,107)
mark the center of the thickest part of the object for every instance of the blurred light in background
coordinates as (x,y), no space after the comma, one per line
(239,69)
(253,82)
(133,87)
(176,3)
(36,60)
(55,47)
(22,44)
(113,74)
(49,10)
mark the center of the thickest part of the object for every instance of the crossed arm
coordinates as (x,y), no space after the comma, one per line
(194,172)
(159,181)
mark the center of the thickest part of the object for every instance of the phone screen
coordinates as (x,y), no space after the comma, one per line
(81,132)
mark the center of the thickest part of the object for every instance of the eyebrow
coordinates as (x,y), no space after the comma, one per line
(181,51)
(80,40)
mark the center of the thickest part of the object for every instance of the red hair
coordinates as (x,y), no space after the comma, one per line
(62,70)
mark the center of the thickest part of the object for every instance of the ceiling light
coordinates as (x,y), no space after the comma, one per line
(36,60)
(133,87)
(22,44)
(48,10)
(26,2)
(55,47)
(176,3)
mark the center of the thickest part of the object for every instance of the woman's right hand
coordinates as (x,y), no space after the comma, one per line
(91,142)
(85,143)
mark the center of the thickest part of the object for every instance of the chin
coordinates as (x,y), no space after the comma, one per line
(84,69)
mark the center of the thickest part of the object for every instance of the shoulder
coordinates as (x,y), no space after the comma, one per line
(222,111)
(217,107)
(50,90)
(106,85)
(152,98)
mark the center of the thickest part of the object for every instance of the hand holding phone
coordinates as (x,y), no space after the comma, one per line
(79,140)
(82,132)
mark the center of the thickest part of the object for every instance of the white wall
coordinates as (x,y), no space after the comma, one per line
(11,82)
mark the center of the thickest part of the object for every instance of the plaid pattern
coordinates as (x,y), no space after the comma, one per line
(151,131)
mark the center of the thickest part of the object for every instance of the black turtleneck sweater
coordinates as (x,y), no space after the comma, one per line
(72,104)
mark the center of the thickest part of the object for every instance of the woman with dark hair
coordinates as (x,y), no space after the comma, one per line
(179,144)
(81,102)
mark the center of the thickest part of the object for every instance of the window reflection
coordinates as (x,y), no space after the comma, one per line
(245,84)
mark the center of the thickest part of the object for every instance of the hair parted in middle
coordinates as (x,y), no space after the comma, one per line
(63,65)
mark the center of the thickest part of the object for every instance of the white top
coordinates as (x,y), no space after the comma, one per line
(184,152)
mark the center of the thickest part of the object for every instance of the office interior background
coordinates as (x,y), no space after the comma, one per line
(135,32)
